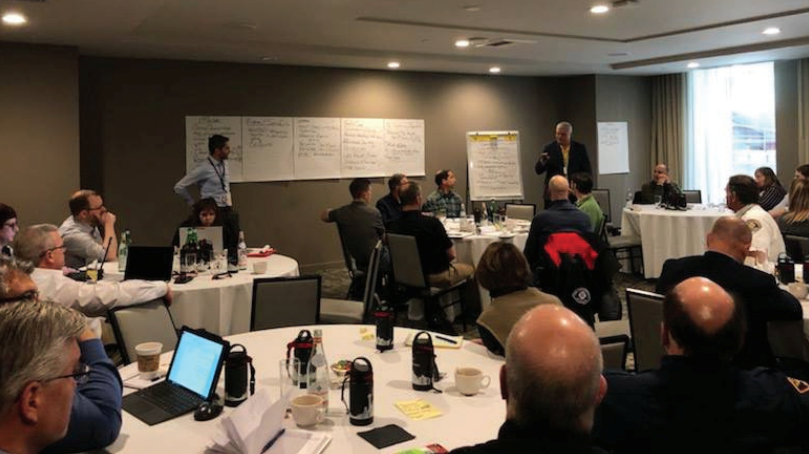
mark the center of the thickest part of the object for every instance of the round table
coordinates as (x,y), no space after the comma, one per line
(464,420)
(221,306)
(667,234)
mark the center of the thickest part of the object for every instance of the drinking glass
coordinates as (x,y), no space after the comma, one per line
(288,383)
(189,263)
(441,214)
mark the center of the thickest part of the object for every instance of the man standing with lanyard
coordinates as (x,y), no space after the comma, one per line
(213,178)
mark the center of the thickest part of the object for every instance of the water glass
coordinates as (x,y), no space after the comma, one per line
(288,383)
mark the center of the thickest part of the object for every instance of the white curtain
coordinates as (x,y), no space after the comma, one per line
(711,133)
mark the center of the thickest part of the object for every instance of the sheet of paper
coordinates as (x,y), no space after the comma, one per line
(418,409)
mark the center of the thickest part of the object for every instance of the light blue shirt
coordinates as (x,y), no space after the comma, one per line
(82,243)
(213,179)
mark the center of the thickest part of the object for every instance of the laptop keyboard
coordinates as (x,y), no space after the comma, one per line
(171,398)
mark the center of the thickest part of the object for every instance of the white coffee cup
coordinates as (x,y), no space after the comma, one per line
(469,381)
(260,267)
(149,359)
(307,410)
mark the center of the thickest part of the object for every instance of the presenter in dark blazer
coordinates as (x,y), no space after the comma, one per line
(723,263)
(562,157)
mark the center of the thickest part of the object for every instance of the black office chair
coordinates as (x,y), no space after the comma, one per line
(692,195)
(356,275)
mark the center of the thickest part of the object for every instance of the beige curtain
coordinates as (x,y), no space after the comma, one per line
(668,123)
(803,111)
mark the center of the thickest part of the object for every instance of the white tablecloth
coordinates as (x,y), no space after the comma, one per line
(465,420)
(469,250)
(221,306)
(667,234)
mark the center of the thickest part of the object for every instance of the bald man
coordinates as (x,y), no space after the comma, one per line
(560,215)
(564,157)
(660,188)
(698,401)
(723,262)
(552,384)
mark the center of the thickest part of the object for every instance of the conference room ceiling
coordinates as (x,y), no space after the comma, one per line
(536,37)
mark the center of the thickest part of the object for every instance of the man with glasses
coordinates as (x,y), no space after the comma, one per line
(42,246)
(41,378)
(8,228)
(80,230)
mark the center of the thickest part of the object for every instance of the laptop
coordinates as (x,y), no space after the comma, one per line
(191,379)
(211,234)
(150,263)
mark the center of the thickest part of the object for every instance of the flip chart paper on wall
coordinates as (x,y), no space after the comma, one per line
(613,148)
(307,148)
(493,159)
(197,132)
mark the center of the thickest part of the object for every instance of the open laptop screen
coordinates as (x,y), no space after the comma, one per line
(196,363)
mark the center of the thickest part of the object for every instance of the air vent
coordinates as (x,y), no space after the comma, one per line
(498,42)
(624,3)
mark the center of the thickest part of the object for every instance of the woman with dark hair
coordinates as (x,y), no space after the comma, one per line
(796,221)
(204,213)
(8,228)
(503,271)
(771,192)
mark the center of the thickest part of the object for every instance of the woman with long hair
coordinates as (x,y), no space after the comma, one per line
(796,221)
(771,192)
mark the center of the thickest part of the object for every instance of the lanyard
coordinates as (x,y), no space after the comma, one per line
(220,175)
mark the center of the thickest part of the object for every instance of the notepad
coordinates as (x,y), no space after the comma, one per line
(418,409)
(439,341)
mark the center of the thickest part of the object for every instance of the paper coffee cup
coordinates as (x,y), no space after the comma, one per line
(260,267)
(149,359)
(469,380)
(307,410)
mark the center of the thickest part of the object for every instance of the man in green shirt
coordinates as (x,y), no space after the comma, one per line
(582,185)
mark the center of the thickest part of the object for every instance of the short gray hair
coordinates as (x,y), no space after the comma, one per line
(33,241)
(566,125)
(33,338)
(11,270)
(543,398)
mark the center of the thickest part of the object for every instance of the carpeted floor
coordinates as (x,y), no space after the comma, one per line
(334,284)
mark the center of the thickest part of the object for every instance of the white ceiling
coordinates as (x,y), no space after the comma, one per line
(553,36)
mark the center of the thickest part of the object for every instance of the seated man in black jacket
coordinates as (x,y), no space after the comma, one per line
(698,401)
(661,188)
(723,262)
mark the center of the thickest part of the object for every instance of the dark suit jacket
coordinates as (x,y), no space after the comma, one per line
(578,161)
(763,300)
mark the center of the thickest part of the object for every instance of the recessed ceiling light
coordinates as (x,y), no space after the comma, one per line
(462,43)
(599,9)
(269,58)
(14,19)
(692,65)
(494,70)
(472,8)
(393,65)
(771,31)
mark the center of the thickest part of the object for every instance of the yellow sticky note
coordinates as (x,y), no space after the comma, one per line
(417,409)
(366,334)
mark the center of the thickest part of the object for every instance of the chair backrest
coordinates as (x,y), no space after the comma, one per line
(602,229)
(285,301)
(351,263)
(405,261)
(602,196)
(645,310)
(693,195)
(148,322)
(524,211)
(613,350)
(797,247)
(788,340)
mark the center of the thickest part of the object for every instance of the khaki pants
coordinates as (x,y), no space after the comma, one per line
(457,272)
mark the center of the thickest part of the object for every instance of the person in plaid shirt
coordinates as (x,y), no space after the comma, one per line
(444,198)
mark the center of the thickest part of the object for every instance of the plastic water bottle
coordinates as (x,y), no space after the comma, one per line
(630,196)
(318,371)
(123,250)
(242,252)
(462,215)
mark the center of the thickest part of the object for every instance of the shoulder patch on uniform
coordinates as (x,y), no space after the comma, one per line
(801,386)
(753,224)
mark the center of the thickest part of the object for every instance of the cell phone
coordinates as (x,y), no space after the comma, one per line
(183,279)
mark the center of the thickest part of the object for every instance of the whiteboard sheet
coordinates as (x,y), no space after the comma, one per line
(613,148)
(197,132)
(317,148)
(309,148)
(268,148)
(494,165)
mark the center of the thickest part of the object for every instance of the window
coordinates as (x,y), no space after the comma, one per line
(731,126)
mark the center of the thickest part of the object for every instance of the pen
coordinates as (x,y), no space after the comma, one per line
(446,339)
(272,441)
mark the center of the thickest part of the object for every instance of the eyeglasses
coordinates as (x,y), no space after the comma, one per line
(81,375)
(102,208)
(51,249)
(10,224)
(29,295)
